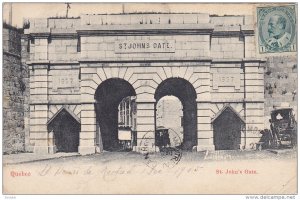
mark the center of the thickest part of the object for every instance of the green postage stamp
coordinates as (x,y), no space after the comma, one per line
(277,29)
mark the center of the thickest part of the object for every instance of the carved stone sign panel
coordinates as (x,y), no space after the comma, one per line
(145,46)
(65,80)
(226,79)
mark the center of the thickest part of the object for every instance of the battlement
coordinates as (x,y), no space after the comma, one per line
(136,19)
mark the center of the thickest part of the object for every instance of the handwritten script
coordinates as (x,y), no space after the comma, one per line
(110,173)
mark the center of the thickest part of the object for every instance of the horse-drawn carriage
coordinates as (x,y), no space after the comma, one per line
(162,137)
(283,130)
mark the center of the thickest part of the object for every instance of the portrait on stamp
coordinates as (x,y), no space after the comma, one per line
(277,29)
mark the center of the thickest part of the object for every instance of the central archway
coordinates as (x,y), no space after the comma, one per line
(186,93)
(108,96)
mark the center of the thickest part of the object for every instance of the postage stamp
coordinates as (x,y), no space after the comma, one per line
(276,29)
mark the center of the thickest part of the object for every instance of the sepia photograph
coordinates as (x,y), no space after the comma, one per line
(150,98)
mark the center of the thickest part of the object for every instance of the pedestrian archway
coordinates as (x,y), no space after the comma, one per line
(108,96)
(186,93)
(65,127)
(227,129)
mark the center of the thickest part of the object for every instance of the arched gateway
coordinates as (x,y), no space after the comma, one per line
(98,66)
(185,92)
(108,96)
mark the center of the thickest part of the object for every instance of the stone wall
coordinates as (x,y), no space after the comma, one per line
(25,50)
(15,92)
(280,83)
(224,47)
(62,50)
(232,37)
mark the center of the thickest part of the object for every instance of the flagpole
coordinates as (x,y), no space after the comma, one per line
(68,7)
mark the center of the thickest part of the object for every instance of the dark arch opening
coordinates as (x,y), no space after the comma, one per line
(227,130)
(108,96)
(186,93)
(66,128)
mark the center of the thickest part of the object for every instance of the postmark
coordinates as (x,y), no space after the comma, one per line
(276,29)
(168,153)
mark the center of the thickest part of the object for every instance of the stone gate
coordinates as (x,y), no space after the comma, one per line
(81,69)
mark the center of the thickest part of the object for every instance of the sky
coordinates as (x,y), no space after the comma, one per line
(21,11)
